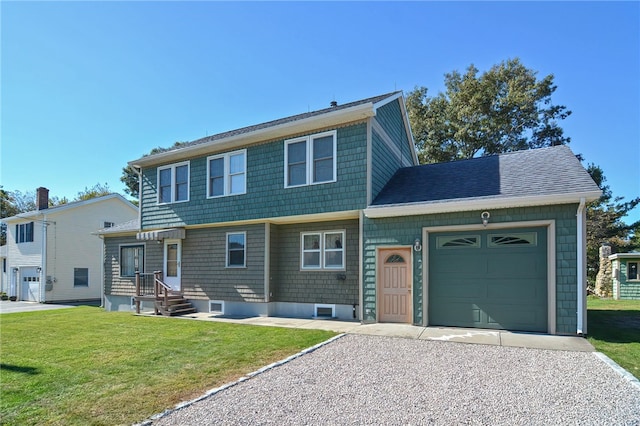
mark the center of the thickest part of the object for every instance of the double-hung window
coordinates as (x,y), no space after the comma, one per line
(226,174)
(24,232)
(173,183)
(310,160)
(236,249)
(322,250)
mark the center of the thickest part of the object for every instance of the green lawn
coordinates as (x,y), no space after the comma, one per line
(614,329)
(86,366)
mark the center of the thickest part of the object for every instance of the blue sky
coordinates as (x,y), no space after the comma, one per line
(88,86)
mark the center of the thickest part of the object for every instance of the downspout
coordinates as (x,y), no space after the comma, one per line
(139,172)
(581,278)
(102,299)
(43,261)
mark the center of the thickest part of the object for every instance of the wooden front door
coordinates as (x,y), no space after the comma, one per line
(394,285)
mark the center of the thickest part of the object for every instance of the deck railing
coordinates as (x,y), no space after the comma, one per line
(151,284)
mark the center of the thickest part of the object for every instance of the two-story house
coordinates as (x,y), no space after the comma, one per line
(327,213)
(52,254)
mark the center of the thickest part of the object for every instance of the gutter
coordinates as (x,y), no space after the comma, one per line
(581,272)
(460,205)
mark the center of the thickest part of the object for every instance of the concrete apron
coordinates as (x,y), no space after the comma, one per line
(446,334)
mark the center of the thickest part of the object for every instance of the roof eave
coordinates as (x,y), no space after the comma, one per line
(331,118)
(460,205)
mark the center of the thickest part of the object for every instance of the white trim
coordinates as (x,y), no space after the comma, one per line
(218,302)
(322,250)
(581,273)
(309,141)
(226,173)
(324,305)
(551,260)
(244,263)
(632,255)
(460,205)
(173,168)
(328,119)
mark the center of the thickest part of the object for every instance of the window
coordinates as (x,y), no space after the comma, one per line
(310,160)
(322,250)
(109,225)
(632,271)
(227,174)
(24,232)
(131,260)
(80,277)
(458,241)
(173,183)
(511,240)
(236,249)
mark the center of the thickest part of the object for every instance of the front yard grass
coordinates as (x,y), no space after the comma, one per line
(86,366)
(614,329)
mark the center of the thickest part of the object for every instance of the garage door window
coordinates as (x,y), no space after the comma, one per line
(458,241)
(511,240)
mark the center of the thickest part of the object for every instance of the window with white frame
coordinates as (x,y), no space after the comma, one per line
(310,160)
(173,183)
(131,260)
(632,271)
(24,232)
(226,174)
(322,250)
(236,249)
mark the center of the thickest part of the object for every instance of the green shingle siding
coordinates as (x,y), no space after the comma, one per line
(204,271)
(628,289)
(288,283)
(404,231)
(125,286)
(266,195)
(383,164)
(390,118)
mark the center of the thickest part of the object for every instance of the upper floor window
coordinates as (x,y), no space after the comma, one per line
(310,160)
(173,183)
(24,232)
(226,174)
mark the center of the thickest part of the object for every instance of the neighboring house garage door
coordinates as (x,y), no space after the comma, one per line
(489,279)
(30,284)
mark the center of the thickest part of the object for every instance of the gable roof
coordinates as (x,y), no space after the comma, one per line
(542,176)
(282,127)
(68,206)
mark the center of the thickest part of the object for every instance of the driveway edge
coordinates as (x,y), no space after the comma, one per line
(240,380)
(621,371)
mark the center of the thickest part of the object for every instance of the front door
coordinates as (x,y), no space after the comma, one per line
(172,263)
(394,285)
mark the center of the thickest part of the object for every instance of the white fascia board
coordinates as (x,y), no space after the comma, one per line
(624,256)
(329,119)
(413,209)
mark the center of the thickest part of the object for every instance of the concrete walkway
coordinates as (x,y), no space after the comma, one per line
(449,334)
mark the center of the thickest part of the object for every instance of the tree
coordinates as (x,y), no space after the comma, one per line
(97,190)
(130,176)
(505,109)
(605,224)
(7,209)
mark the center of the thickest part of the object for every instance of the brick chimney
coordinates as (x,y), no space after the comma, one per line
(42,198)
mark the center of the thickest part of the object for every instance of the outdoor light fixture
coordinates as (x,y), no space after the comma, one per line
(38,269)
(417,246)
(485,218)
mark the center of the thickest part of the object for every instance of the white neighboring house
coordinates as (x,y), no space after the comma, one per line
(53,255)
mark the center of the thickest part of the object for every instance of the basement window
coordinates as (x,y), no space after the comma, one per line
(324,311)
(216,307)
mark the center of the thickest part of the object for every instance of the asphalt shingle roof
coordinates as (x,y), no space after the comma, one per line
(537,172)
(249,129)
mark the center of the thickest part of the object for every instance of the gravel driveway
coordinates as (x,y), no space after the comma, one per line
(358,380)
